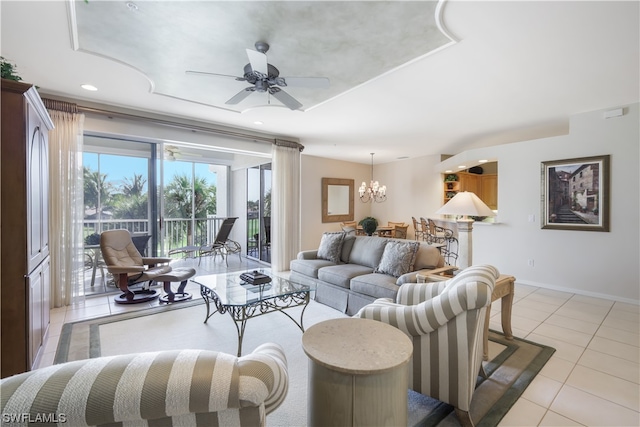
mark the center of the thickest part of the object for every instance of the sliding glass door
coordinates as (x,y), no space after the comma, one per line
(259,212)
(165,203)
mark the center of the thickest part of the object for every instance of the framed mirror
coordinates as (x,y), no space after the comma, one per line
(337,199)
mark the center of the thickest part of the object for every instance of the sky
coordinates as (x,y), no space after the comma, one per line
(117,168)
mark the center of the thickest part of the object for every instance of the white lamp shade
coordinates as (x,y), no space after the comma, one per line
(465,203)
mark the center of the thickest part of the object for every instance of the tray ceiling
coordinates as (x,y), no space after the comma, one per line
(348,42)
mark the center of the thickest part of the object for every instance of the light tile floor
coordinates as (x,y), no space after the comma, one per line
(593,378)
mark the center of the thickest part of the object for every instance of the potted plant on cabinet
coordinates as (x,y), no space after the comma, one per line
(8,70)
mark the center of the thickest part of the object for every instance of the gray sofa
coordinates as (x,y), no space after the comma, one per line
(350,272)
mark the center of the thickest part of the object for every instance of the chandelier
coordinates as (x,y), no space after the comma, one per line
(374,192)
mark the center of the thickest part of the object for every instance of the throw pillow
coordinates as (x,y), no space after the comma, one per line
(331,246)
(398,258)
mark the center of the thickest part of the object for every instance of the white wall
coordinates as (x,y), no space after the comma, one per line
(413,189)
(313,169)
(603,264)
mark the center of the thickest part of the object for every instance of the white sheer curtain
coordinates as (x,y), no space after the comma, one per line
(66,205)
(285,206)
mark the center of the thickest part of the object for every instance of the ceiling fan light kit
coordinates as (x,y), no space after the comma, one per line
(374,192)
(266,78)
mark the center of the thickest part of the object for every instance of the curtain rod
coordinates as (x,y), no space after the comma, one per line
(169,123)
(64,106)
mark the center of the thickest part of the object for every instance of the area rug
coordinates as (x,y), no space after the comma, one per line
(512,366)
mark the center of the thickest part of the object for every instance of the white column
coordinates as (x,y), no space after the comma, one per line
(465,248)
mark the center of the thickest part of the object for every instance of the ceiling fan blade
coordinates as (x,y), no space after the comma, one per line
(240,96)
(258,61)
(202,73)
(312,82)
(285,98)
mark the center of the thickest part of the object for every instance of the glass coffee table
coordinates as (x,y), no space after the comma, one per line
(243,301)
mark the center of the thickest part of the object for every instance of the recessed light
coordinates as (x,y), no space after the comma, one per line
(448,171)
(258,122)
(89,87)
(461,167)
(483,161)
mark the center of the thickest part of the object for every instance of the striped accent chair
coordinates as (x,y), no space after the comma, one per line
(445,321)
(168,388)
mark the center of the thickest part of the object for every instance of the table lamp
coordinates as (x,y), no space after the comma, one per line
(467,204)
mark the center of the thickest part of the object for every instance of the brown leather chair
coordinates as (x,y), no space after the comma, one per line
(128,267)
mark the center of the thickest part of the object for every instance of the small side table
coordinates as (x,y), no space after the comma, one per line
(358,373)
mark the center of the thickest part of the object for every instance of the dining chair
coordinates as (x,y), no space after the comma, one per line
(418,230)
(400,231)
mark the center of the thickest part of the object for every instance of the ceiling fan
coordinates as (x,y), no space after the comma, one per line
(172,153)
(266,78)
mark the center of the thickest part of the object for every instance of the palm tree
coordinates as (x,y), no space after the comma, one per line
(132,200)
(97,191)
(134,186)
(182,200)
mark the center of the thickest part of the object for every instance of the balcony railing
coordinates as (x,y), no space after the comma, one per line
(176,232)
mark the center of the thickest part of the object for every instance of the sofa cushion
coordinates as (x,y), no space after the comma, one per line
(428,257)
(376,285)
(347,246)
(331,246)
(309,267)
(367,251)
(341,274)
(398,258)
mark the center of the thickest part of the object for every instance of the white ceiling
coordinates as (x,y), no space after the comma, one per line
(399,85)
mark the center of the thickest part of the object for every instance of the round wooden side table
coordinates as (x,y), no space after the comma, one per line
(357,373)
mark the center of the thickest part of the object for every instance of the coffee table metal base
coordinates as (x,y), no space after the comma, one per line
(242,313)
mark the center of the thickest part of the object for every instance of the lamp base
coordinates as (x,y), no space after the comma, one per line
(465,242)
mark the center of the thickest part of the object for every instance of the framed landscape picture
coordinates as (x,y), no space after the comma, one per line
(575,194)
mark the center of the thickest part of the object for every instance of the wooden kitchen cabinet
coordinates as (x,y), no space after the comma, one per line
(484,186)
(489,190)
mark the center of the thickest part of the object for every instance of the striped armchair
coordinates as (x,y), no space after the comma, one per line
(445,321)
(178,387)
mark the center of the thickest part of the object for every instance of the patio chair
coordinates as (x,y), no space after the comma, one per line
(220,245)
(140,241)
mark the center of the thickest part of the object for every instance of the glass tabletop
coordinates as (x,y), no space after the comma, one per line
(231,290)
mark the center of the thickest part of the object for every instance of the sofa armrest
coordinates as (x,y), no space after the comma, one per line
(183,382)
(310,254)
(267,364)
(468,291)
(446,271)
